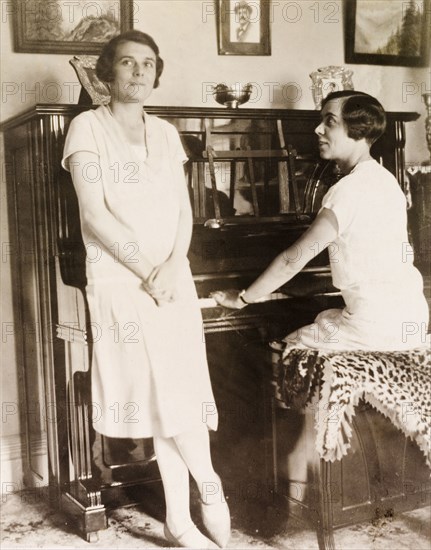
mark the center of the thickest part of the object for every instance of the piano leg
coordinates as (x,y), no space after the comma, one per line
(324,525)
(81,496)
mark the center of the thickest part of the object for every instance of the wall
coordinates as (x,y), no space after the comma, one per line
(302,40)
(304,34)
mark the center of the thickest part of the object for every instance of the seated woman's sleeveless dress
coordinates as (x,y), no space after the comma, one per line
(372,264)
(149,368)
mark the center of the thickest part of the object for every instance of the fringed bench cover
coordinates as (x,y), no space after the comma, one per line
(397,384)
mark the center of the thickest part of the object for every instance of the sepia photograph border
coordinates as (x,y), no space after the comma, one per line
(351,56)
(224,21)
(22,44)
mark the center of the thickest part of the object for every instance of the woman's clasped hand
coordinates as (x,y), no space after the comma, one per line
(162,282)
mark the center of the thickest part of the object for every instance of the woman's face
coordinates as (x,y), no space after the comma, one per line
(134,71)
(334,143)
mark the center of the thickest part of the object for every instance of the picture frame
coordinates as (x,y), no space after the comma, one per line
(243,27)
(329,79)
(387,32)
(69,27)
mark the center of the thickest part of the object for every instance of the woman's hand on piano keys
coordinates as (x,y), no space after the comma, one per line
(228,298)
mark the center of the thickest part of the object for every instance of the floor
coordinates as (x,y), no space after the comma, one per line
(28,522)
(258,519)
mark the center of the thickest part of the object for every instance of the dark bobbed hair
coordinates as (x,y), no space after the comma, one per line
(363,115)
(105,62)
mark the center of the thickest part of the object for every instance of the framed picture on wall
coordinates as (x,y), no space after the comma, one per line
(388,32)
(243,27)
(75,27)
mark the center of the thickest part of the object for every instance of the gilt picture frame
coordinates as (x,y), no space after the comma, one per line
(387,32)
(64,27)
(243,27)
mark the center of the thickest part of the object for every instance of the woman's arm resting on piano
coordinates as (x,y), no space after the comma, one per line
(286,265)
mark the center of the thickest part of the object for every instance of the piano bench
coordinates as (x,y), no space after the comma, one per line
(337,463)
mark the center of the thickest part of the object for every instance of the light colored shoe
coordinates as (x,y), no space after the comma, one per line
(216,518)
(190,538)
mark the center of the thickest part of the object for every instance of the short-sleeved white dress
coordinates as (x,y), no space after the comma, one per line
(149,368)
(372,264)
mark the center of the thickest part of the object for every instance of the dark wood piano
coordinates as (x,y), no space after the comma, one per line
(255,183)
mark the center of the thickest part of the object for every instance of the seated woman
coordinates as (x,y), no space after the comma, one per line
(363,221)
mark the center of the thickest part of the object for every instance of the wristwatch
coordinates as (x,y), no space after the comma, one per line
(241,297)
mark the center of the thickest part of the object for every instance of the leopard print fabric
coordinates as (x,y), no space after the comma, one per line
(397,384)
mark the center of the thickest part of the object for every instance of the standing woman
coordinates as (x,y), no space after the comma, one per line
(149,361)
(363,219)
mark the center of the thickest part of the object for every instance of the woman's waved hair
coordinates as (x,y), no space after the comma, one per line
(105,62)
(363,115)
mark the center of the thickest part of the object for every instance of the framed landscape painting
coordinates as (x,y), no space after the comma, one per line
(60,26)
(388,32)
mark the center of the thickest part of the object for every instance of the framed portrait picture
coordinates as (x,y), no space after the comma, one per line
(388,32)
(329,79)
(243,27)
(59,26)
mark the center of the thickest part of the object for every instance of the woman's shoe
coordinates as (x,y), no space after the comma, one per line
(190,538)
(216,518)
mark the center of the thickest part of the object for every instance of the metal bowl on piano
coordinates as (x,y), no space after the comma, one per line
(234,95)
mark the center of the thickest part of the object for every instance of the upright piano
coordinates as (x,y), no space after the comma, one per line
(255,182)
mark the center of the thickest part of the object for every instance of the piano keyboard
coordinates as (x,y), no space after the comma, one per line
(210,302)
(205,303)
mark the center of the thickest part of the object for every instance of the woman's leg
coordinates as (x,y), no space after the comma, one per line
(175,478)
(195,450)
(194,447)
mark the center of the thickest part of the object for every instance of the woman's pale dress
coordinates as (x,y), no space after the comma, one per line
(372,264)
(149,369)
